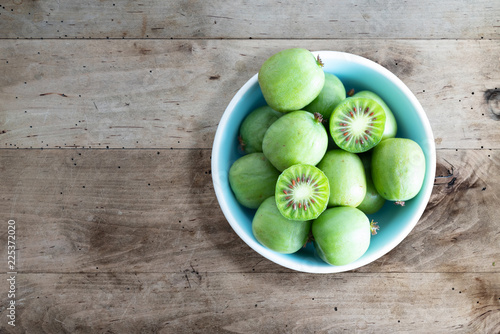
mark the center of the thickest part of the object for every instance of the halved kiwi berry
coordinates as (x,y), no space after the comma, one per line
(357,124)
(391,127)
(302,192)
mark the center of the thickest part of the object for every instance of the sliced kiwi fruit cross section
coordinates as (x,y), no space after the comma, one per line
(357,124)
(302,192)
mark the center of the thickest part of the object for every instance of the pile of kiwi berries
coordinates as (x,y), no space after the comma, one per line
(318,160)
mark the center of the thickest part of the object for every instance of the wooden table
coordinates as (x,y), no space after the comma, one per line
(108,112)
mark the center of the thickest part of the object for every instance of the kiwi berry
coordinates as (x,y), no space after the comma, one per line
(254,126)
(252,179)
(297,137)
(331,95)
(357,124)
(341,235)
(372,202)
(398,169)
(291,79)
(346,177)
(302,192)
(277,233)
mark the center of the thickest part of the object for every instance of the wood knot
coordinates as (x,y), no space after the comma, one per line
(492,99)
(445,174)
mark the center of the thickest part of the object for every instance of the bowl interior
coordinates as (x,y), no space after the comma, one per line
(395,222)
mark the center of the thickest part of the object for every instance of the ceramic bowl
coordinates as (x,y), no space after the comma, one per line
(395,222)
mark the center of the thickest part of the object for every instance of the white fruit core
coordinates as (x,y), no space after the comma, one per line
(358,125)
(302,192)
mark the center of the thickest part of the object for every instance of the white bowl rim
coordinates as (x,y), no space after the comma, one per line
(269,254)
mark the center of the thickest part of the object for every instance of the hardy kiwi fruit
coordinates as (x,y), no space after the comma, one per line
(302,192)
(341,235)
(346,177)
(398,169)
(297,137)
(254,126)
(276,232)
(291,79)
(372,202)
(357,124)
(252,179)
(331,95)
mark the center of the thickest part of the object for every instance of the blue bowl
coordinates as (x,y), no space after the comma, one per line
(395,222)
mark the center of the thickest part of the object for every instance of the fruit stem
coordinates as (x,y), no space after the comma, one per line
(318,117)
(242,143)
(319,62)
(402,203)
(374,227)
(310,238)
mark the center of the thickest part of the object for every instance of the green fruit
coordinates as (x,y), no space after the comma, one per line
(291,79)
(254,126)
(302,192)
(331,142)
(296,138)
(341,235)
(331,95)
(391,126)
(346,176)
(357,124)
(398,169)
(276,232)
(372,202)
(253,179)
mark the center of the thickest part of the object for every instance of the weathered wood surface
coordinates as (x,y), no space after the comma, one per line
(192,301)
(105,152)
(163,94)
(88,210)
(424,19)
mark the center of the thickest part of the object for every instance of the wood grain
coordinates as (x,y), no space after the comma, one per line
(95,210)
(192,301)
(162,94)
(457,232)
(107,117)
(425,19)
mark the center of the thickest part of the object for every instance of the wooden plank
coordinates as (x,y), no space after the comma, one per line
(172,93)
(192,301)
(95,210)
(449,19)
(456,229)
